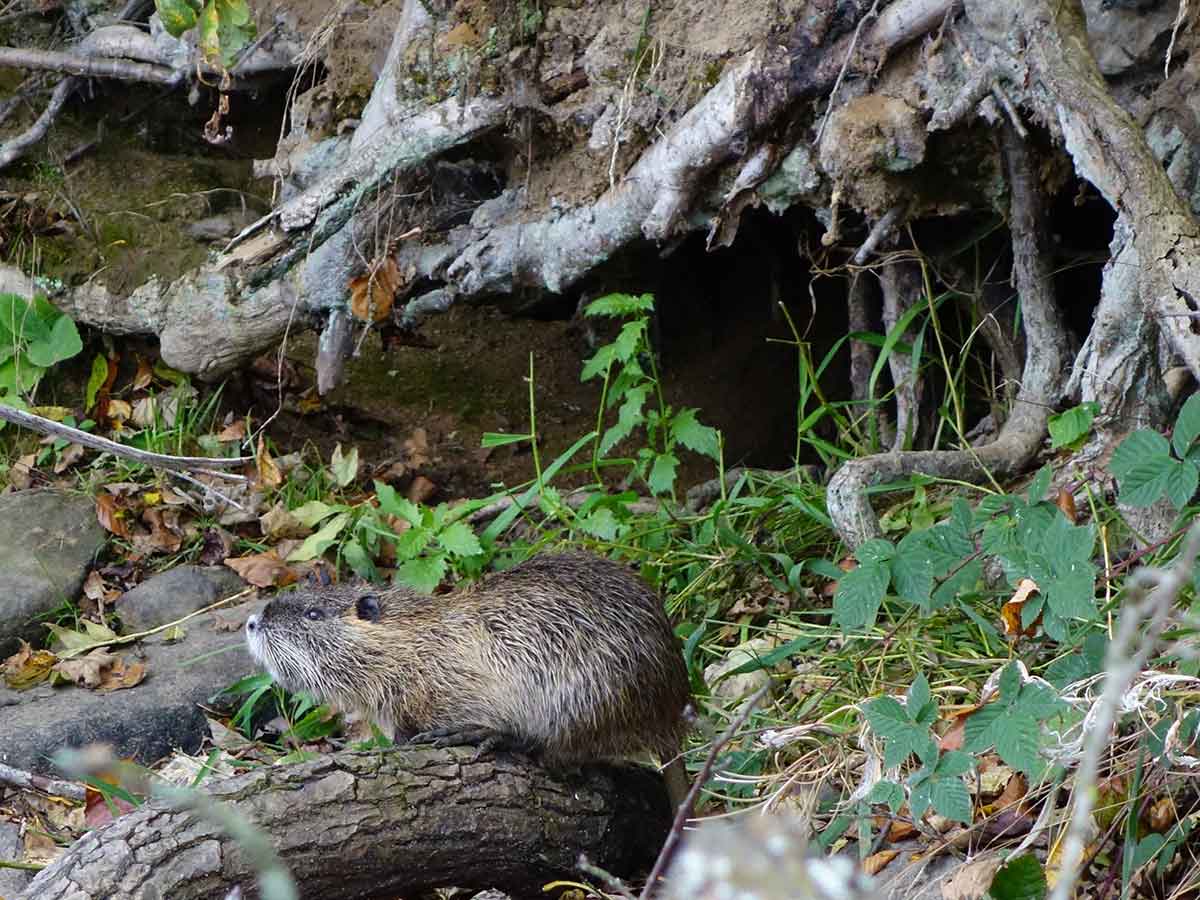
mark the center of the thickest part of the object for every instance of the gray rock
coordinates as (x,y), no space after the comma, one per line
(173,594)
(47,540)
(12,881)
(145,722)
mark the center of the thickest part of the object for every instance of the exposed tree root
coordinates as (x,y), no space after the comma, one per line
(1042,384)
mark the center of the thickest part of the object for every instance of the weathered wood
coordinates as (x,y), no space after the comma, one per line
(363,825)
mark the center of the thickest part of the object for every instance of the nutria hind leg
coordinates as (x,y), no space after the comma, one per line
(486,739)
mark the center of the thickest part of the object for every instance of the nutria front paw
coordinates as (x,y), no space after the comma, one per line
(486,739)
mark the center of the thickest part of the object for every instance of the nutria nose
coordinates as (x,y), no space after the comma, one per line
(252,623)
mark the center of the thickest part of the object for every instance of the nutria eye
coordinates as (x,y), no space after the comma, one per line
(314,614)
(367,608)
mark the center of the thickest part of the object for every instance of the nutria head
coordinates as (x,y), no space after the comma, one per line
(327,641)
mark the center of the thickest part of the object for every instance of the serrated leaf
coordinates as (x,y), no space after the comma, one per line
(422,574)
(1138,447)
(1017,743)
(662,473)
(1146,482)
(629,340)
(979,732)
(876,550)
(1063,542)
(887,792)
(619,305)
(460,540)
(918,696)
(96,380)
(1019,879)
(393,504)
(598,363)
(412,543)
(321,540)
(950,799)
(859,594)
(1072,594)
(628,418)
(1187,426)
(700,438)
(887,717)
(1182,483)
(177,16)
(920,799)
(1040,484)
(600,523)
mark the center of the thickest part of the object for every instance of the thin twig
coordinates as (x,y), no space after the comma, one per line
(14,149)
(871,13)
(689,802)
(30,781)
(209,464)
(881,229)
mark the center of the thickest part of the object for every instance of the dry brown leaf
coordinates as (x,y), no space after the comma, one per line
(96,590)
(86,671)
(20,476)
(119,411)
(421,489)
(145,374)
(416,449)
(67,457)
(164,534)
(974,880)
(371,295)
(278,523)
(114,519)
(1065,501)
(262,569)
(122,674)
(268,472)
(1162,814)
(233,432)
(145,412)
(1010,612)
(1013,792)
(27,667)
(876,862)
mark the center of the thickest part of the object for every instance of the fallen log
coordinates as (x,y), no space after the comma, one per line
(380,824)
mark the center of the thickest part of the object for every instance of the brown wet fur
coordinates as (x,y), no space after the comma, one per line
(568,655)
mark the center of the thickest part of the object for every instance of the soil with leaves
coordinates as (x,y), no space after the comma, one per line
(930,696)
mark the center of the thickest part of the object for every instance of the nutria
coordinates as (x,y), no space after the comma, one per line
(568,656)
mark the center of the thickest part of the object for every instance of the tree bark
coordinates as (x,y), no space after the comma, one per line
(396,823)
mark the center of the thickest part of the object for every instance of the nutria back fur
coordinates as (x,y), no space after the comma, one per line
(569,655)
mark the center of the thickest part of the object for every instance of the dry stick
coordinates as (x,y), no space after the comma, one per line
(689,802)
(881,229)
(31,782)
(212,465)
(1120,666)
(149,632)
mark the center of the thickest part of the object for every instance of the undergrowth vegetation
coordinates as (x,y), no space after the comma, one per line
(937,680)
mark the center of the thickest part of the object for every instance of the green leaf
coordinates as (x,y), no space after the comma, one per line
(859,594)
(1181,486)
(177,15)
(1040,484)
(887,792)
(876,550)
(1138,447)
(620,305)
(96,380)
(600,523)
(950,799)
(1019,879)
(598,363)
(320,541)
(629,340)
(887,718)
(235,28)
(62,343)
(18,376)
(1017,744)
(208,34)
(496,439)
(359,560)
(459,540)
(918,697)
(1070,426)
(628,418)
(700,438)
(662,473)
(979,733)
(1187,426)
(393,504)
(412,542)
(954,763)
(20,320)
(774,657)
(313,512)
(422,574)
(1145,482)
(343,466)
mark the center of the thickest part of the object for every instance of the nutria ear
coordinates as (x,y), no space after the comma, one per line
(368,608)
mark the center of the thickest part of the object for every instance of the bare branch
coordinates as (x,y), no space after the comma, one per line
(91,66)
